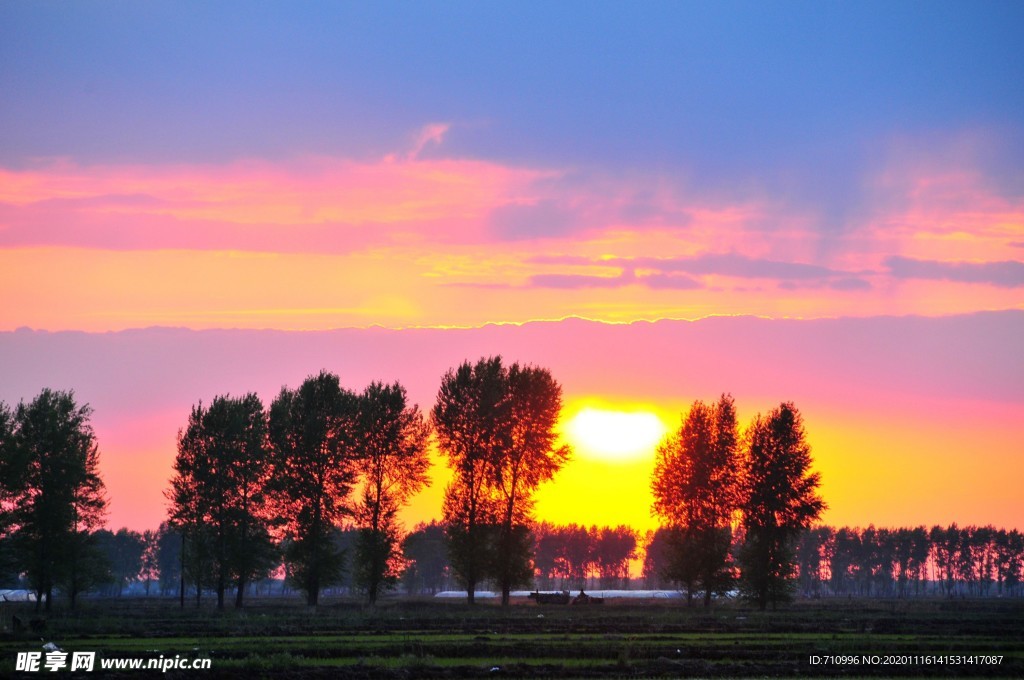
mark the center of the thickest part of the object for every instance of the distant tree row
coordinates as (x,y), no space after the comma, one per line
(734,507)
(883,563)
(571,556)
(911,562)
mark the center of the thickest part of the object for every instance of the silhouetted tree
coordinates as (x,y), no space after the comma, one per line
(576,556)
(54,496)
(660,552)
(614,547)
(545,551)
(526,456)
(426,551)
(780,500)
(314,465)
(468,419)
(393,464)
(168,557)
(1009,560)
(811,555)
(217,495)
(150,570)
(189,506)
(696,491)
(123,553)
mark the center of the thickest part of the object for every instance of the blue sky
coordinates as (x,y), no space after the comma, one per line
(712,88)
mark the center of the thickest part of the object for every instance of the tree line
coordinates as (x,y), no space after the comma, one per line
(830,562)
(972,561)
(308,490)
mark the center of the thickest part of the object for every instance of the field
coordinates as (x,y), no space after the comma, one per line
(423,638)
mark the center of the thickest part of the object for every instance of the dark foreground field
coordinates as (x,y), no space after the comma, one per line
(427,639)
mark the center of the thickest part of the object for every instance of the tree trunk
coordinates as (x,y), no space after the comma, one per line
(471,590)
(181,577)
(221,587)
(241,590)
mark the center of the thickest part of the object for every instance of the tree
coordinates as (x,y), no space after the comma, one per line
(52,490)
(613,549)
(150,560)
(188,509)
(393,463)
(123,551)
(780,500)
(576,556)
(467,420)
(168,558)
(248,552)
(217,495)
(696,489)
(427,568)
(497,427)
(659,552)
(527,455)
(313,467)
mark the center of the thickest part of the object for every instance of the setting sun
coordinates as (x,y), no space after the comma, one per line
(614,436)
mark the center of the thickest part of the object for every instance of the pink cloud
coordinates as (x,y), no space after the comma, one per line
(313,202)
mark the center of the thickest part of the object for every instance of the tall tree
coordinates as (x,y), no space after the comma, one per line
(217,495)
(313,469)
(467,419)
(527,455)
(496,424)
(393,465)
(696,489)
(780,500)
(243,447)
(189,508)
(49,470)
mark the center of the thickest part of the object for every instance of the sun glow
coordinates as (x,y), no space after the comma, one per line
(614,436)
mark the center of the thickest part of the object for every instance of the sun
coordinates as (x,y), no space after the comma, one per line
(613,435)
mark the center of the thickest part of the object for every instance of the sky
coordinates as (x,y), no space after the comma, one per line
(443,167)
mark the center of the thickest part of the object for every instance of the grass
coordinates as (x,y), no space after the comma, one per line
(445,639)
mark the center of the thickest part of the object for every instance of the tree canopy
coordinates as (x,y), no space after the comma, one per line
(218,492)
(393,464)
(53,496)
(314,464)
(780,500)
(496,425)
(696,490)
